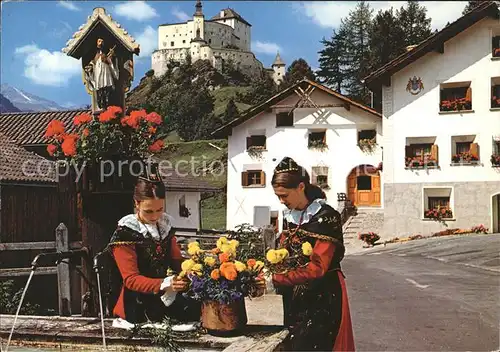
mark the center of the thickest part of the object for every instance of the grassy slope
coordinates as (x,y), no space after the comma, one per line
(202,153)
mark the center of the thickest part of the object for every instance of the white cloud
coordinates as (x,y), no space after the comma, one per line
(68,5)
(148,40)
(266,48)
(136,10)
(328,14)
(180,15)
(48,68)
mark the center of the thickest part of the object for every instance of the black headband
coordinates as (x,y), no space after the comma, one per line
(286,165)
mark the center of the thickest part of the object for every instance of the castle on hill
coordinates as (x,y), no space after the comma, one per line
(223,38)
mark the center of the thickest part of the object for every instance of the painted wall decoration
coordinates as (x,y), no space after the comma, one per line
(414,85)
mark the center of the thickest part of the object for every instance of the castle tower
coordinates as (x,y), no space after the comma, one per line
(199,21)
(278,67)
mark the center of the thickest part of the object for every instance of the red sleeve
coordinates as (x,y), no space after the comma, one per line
(175,254)
(320,262)
(126,260)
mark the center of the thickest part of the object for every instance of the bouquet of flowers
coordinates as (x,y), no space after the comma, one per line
(280,261)
(218,275)
(369,238)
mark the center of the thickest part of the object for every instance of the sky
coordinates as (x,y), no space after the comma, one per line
(34,32)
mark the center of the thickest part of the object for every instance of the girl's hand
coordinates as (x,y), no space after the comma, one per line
(260,284)
(180,284)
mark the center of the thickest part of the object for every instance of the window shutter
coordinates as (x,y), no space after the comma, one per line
(324,137)
(263,178)
(434,152)
(249,142)
(244,178)
(474,150)
(468,94)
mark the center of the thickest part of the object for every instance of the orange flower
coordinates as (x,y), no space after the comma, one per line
(251,263)
(115,110)
(69,144)
(86,132)
(224,257)
(81,119)
(152,130)
(228,270)
(156,146)
(215,251)
(215,274)
(51,149)
(54,128)
(153,118)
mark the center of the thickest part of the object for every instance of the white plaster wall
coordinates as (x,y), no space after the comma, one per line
(467,57)
(181,34)
(192,203)
(342,155)
(218,34)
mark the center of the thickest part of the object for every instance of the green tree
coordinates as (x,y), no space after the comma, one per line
(414,23)
(471,5)
(231,110)
(261,89)
(298,70)
(386,40)
(332,60)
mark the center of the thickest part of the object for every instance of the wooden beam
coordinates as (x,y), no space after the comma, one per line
(42,270)
(23,246)
(317,105)
(386,81)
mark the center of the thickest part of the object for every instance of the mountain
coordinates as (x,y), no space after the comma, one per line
(6,105)
(28,102)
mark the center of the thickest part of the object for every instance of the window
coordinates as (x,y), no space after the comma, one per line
(317,139)
(284,119)
(256,141)
(495,157)
(455,97)
(495,46)
(364,183)
(253,178)
(184,41)
(367,139)
(421,152)
(319,176)
(183,210)
(495,92)
(437,203)
(171,43)
(464,150)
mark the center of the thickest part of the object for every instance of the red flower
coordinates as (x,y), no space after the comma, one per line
(54,128)
(86,132)
(51,149)
(152,130)
(81,119)
(156,146)
(110,113)
(69,144)
(134,118)
(154,118)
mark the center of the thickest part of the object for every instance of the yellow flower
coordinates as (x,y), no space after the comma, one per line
(258,265)
(182,274)
(282,253)
(234,244)
(239,266)
(194,250)
(197,268)
(227,248)
(221,241)
(272,256)
(194,244)
(187,265)
(210,261)
(307,249)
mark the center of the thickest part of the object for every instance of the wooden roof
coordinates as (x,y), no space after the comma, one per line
(434,43)
(257,109)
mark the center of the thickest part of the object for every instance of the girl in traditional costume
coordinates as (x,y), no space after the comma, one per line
(147,254)
(315,302)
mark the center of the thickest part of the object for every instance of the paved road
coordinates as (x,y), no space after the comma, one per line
(439,294)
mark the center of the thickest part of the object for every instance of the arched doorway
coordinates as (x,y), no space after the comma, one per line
(495,213)
(363,186)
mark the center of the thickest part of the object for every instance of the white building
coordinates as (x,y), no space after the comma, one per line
(225,37)
(317,127)
(439,150)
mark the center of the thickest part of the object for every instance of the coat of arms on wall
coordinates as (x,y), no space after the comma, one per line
(414,85)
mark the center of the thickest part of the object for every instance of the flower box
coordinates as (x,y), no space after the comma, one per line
(464,158)
(367,144)
(369,238)
(495,102)
(419,163)
(317,144)
(438,214)
(456,104)
(256,151)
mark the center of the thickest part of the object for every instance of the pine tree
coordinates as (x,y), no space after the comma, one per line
(231,110)
(387,38)
(331,60)
(298,70)
(414,23)
(471,5)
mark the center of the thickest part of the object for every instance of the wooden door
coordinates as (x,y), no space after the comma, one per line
(376,189)
(363,189)
(351,187)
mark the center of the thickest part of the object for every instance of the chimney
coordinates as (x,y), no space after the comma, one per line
(221,13)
